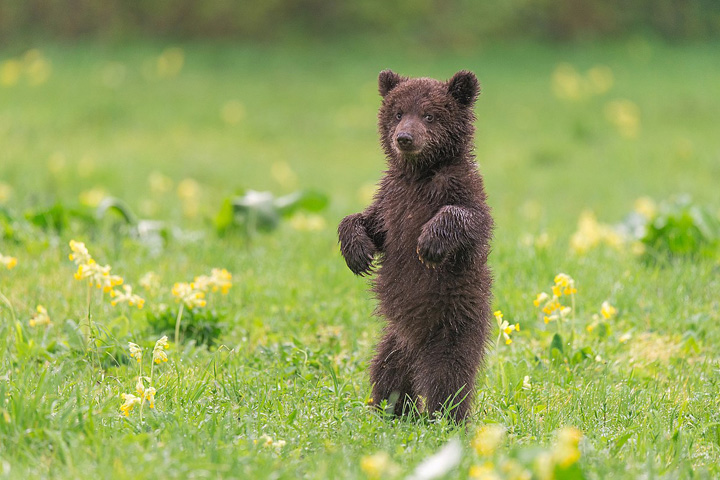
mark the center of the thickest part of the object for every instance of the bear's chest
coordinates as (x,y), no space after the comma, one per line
(409,206)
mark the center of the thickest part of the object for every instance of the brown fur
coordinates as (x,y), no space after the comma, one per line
(429,229)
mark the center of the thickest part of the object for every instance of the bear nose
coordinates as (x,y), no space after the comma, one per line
(404,139)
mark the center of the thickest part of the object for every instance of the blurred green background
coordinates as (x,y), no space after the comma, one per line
(457,22)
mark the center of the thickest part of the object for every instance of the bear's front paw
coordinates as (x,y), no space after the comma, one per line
(359,256)
(355,245)
(431,251)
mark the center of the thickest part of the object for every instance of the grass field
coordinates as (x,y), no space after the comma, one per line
(281,391)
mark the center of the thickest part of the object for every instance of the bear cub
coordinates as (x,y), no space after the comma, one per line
(428,231)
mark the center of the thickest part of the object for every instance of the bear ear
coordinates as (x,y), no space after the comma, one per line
(464,88)
(388,80)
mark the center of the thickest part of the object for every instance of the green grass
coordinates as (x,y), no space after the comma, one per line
(291,362)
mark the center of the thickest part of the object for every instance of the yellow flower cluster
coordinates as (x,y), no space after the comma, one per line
(379,465)
(8,262)
(150,281)
(625,116)
(130,401)
(590,233)
(551,306)
(146,393)
(88,269)
(193,294)
(267,442)
(505,328)
(607,312)
(135,351)
(41,317)
(569,84)
(33,66)
(486,442)
(219,279)
(487,439)
(126,296)
(159,354)
(188,294)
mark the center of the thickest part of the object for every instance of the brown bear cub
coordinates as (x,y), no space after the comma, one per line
(430,227)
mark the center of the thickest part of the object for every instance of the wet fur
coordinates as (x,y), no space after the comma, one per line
(428,232)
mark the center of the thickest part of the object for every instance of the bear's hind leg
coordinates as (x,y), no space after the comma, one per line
(391,377)
(444,374)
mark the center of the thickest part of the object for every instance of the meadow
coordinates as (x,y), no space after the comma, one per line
(581,146)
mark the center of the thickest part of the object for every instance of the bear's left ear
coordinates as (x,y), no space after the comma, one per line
(464,88)
(387,80)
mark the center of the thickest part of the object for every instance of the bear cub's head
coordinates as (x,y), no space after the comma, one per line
(424,122)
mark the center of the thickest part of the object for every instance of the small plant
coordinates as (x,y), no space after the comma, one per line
(146,393)
(681,228)
(192,294)
(254,212)
(99,276)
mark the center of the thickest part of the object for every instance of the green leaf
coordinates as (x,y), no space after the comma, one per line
(225,217)
(309,200)
(116,205)
(556,344)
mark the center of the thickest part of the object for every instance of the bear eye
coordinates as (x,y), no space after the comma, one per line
(398,115)
(429,117)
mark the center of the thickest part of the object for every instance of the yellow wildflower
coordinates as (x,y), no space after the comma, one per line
(135,351)
(600,78)
(9,262)
(150,396)
(526,385)
(567,83)
(378,465)
(40,318)
(10,71)
(487,439)
(140,387)
(551,306)
(564,285)
(130,401)
(150,281)
(625,115)
(5,191)
(267,441)
(307,223)
(93,197)
(607,310)
(541,297)
(219,279)
(88,269)
(505,328)
(80,253)
(566,452)
(188,294)
(159,183)
(486,471)
(159,354)
(126,297)
(646,207)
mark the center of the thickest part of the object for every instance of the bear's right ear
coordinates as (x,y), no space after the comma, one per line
(464,88)
(387,81)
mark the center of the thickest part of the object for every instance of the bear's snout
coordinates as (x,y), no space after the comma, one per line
(404,140)
(409,137)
